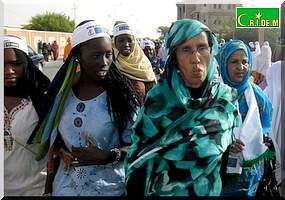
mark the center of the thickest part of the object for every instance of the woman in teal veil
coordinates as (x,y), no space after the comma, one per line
(186,122)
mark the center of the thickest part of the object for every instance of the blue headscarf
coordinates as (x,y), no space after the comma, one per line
(262,100)
(225,54)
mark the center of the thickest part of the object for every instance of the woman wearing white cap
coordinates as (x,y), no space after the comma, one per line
(24,89)
(149,50)
(87,119)
(131,61)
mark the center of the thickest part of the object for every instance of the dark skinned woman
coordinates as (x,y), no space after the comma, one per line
(131,60)
(24,89)
(88,125)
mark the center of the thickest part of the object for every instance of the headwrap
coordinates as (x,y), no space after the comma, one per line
(33,83)
(123,28)
(88,31)
(263,102)
(225,54)
(136,66)
(257,47)
(15,43)
(254,57)
(251,44)
(61,85)
(263,62)
(147,43)
(178,141)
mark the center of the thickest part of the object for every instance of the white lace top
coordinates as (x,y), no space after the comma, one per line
(23,175)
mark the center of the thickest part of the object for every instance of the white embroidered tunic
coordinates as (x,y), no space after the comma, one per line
(91,118)
(23,175)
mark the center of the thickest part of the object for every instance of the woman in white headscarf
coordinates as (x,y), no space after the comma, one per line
(273,90)
(255,53)
(257,48)
(266,54)
(149,50)
(252,50)
(264,62)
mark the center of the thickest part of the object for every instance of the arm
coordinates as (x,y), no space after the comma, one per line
(84,156)
(92,155)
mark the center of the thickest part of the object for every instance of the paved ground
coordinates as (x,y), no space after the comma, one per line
(50,68)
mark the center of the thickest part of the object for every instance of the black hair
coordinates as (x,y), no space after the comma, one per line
(33,82)
(22,58)
(210,41)
(122,100)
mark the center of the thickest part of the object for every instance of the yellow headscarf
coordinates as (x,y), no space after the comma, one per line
(136,66)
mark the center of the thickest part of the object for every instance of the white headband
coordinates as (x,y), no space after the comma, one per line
(123,28)
(251,44)
(15,42)
(88,31)
(147,43)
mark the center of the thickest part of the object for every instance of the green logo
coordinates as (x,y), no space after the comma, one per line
(257,18)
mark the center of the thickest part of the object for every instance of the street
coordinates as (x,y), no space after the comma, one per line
(50,68)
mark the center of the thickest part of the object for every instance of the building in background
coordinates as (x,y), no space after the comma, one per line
(32,37)
(215,16)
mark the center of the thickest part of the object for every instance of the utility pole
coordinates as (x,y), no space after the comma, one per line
(261,36)
(74,8)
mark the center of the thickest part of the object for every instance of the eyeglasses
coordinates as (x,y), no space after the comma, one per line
(185,51)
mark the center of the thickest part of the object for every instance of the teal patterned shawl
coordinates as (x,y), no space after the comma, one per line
(178,141)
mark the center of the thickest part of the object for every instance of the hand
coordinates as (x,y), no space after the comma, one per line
(259,78)
(268,141)
(262,77)
(124,149)
(92,155)
(67,158)
(237,146)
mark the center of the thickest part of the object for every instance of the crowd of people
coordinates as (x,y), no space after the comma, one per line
(189,116)
(49,51)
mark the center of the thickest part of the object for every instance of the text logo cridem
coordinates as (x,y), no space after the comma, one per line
(257,18)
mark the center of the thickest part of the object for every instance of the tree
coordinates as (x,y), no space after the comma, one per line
(51,22)
(162,30)
(225,28)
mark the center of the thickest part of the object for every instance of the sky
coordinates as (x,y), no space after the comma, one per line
(144,15)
